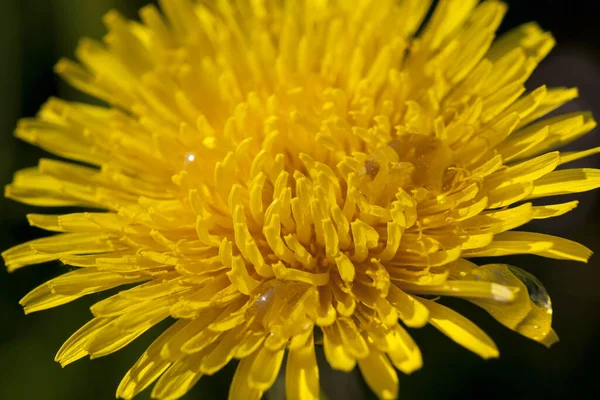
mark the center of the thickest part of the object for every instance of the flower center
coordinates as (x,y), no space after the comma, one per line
(430,157)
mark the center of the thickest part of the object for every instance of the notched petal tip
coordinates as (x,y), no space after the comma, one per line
(64,65)
(550,339)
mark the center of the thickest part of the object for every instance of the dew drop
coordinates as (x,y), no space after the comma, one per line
(532,320)
(188,159)
(263,295)
(537,292)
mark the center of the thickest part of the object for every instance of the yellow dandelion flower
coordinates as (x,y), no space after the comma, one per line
(277,174)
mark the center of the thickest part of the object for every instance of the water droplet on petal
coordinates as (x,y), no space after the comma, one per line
(265,293)
(500,274)
(263,296)
(531,316)
(537,292)
(188,159)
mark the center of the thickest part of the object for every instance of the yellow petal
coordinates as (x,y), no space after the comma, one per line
(76,346)
(468,289)
(410,311)
(561,130)
(292,274)
(302,373)
(71,286)
(550,339)
(529,36)
(566,181)
(326,313)
(405,354)
(507,195)
(53,247)
(249,343)
(351,338)
(460,329)
(553,210)
(554,98)
(127,327)
(239,276)
(172,349)
(265,368)
(446,18)
(240,388)
(337,357)
(525,171)
(379,374)
(175,382)
(222,353)
(577,155)
(148,367)
(530,314)
(514,242)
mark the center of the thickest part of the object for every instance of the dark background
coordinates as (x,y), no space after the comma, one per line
(35,33)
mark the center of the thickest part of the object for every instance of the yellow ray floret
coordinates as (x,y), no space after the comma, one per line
(279,175)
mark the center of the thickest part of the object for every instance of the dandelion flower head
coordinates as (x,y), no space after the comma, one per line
(272,175)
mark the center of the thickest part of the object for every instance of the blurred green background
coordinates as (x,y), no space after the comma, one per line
(35,33)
